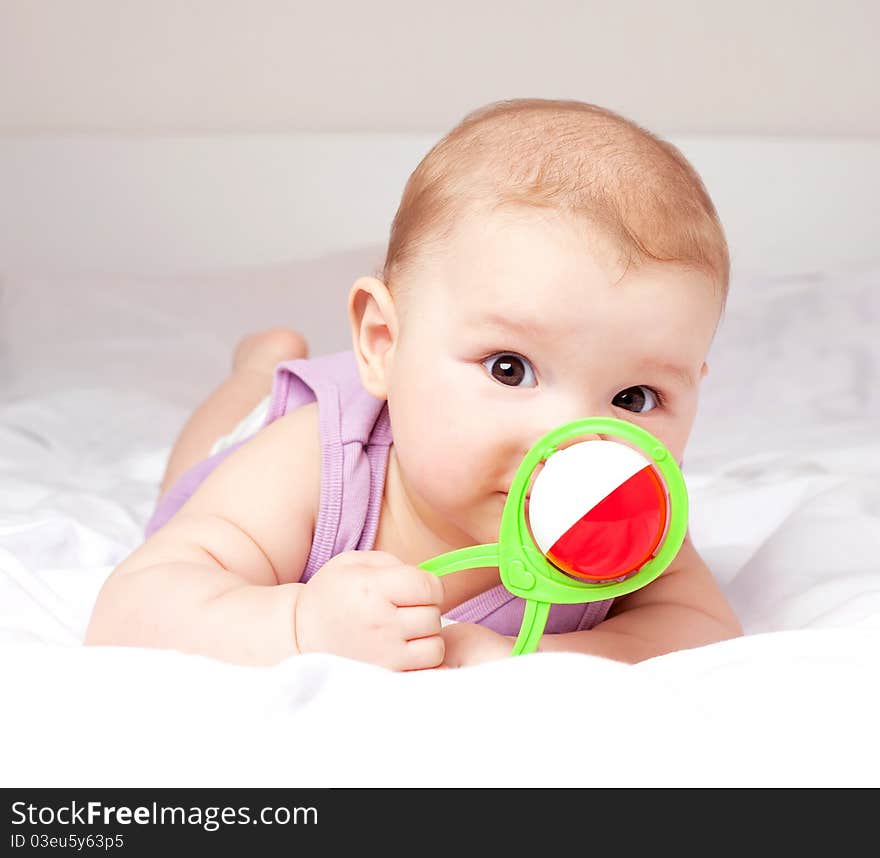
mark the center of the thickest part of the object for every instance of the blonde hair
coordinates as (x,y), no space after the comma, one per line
(639,191)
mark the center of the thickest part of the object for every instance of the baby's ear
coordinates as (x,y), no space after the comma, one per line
(373,319)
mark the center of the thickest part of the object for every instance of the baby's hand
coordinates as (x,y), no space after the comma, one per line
(468,644)
(370,606)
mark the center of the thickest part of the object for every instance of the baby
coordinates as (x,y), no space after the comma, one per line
(549,261)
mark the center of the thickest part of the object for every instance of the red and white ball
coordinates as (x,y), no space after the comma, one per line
(597,510)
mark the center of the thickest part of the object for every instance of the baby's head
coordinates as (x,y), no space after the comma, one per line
(550,260)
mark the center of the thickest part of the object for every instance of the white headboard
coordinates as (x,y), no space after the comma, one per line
(158,205)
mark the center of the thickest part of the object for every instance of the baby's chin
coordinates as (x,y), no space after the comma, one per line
(481,524)
(490,521)
(501,497)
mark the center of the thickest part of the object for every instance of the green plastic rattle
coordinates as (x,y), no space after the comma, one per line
(601,519)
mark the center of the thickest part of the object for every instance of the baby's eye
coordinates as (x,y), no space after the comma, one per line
(639,399)
(510,369)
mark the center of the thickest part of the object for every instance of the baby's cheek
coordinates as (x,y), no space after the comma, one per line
(676,446)
(448,467)
(450,475)
(426,457)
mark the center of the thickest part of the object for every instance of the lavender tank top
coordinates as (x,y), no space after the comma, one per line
(356,438)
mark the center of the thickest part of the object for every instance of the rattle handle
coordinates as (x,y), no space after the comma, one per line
(472,557)
(479,556)
(532,628)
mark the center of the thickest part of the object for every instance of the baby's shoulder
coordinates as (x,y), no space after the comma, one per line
(277,470)
(295,437)
(299,419)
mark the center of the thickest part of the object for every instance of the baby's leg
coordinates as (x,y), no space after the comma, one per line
(250,380)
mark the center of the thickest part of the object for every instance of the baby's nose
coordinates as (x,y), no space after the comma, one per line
(587,436)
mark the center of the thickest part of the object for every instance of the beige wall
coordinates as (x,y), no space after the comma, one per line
(678,66)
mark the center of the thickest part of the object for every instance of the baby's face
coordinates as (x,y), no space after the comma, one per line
(522,328)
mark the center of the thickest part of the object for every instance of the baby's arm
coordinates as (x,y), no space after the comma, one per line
(222,577)
(683,608)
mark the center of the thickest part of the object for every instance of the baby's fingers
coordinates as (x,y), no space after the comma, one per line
(423,653)
(410,585)
(420,621)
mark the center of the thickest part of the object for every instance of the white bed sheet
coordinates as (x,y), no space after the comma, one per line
(784,476)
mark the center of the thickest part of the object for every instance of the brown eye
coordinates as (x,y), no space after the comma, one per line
(510,370)
(638,399)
